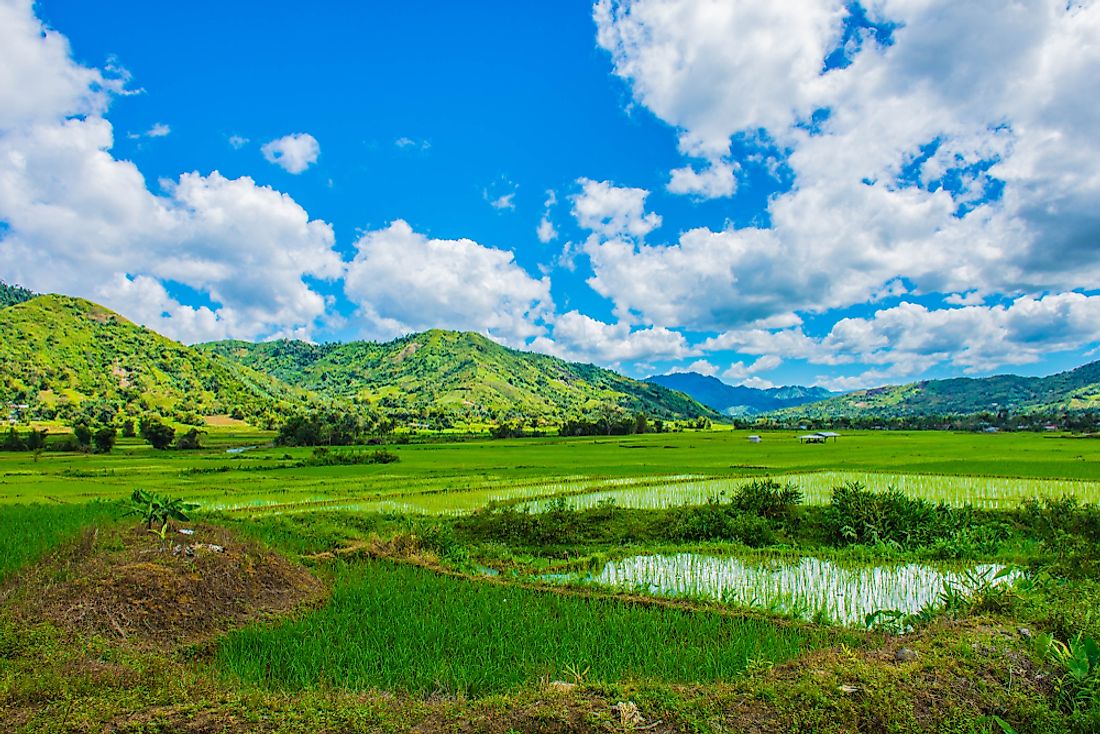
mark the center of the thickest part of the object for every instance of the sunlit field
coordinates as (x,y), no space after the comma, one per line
(643,471)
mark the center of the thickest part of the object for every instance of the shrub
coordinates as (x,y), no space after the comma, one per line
(716,520)
(324,456)
(858,515)
(767,498)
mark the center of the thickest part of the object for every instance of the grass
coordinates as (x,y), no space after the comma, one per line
(442,477)
(405,628)
(28,532)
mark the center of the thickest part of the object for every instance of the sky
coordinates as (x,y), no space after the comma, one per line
(817,192)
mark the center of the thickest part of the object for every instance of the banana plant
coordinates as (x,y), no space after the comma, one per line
(159,510)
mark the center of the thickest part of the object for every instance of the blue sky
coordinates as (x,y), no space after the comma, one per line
(818,192)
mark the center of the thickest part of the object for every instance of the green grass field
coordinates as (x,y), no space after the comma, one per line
(439,477)
(404,628)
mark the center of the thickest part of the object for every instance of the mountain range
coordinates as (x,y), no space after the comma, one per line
(63,357)
(66,357)
(736,401)
(460,374)
(1073,390)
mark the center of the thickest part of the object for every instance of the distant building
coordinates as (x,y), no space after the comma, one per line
(819,437)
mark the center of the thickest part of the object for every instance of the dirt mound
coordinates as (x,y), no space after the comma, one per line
(128,583)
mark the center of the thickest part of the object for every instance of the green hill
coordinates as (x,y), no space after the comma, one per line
(1075,390)
(461,375)
(64,357)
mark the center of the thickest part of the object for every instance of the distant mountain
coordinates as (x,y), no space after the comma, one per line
(61,356)
(1077,389)
(459,374)
(13,294)
(738,400)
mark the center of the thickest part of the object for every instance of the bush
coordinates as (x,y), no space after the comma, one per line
(858,515)
(716,520)
(324,456)
(767,498)
(1067,529)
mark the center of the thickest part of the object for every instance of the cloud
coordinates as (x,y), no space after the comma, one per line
(609,210)
(158,130)
(403,281)
(581,338)
(238,141)
(909,339)
(38,80)
(546,231)
(740,372)
(501,195)
(293,153)
(714,181)
(949,149)
(79,221)
(504,201)
(699,366)
(407,143)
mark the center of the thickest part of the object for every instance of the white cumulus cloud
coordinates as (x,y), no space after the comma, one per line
(611,210)
(82,222)
(293,153)
(403,281)
(581,338)
(960,157)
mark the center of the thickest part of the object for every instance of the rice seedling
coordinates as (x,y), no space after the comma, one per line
(810,588)
(30,531)
(980,491)
(405,628)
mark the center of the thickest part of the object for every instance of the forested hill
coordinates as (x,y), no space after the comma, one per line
(458,375)
(66,357)
(1075,390)
(738,400)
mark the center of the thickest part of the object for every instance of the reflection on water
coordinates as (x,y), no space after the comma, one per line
(808,588)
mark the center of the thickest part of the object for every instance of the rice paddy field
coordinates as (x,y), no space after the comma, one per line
(465,578)
(643,471)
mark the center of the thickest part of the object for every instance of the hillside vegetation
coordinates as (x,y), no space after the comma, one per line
(64,357)
(13,294)
(1075,390)
(463,375)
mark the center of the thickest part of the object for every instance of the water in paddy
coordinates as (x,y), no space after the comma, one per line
(808,588)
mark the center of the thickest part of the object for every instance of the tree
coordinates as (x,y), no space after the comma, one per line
(36,440)
(13,441)
(190,440)
(82,432)
(158,434)
(104,440)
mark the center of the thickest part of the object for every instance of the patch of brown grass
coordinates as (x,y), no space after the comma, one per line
(129,584)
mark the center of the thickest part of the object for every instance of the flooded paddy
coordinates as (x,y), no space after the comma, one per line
(817,487)
(807,588)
